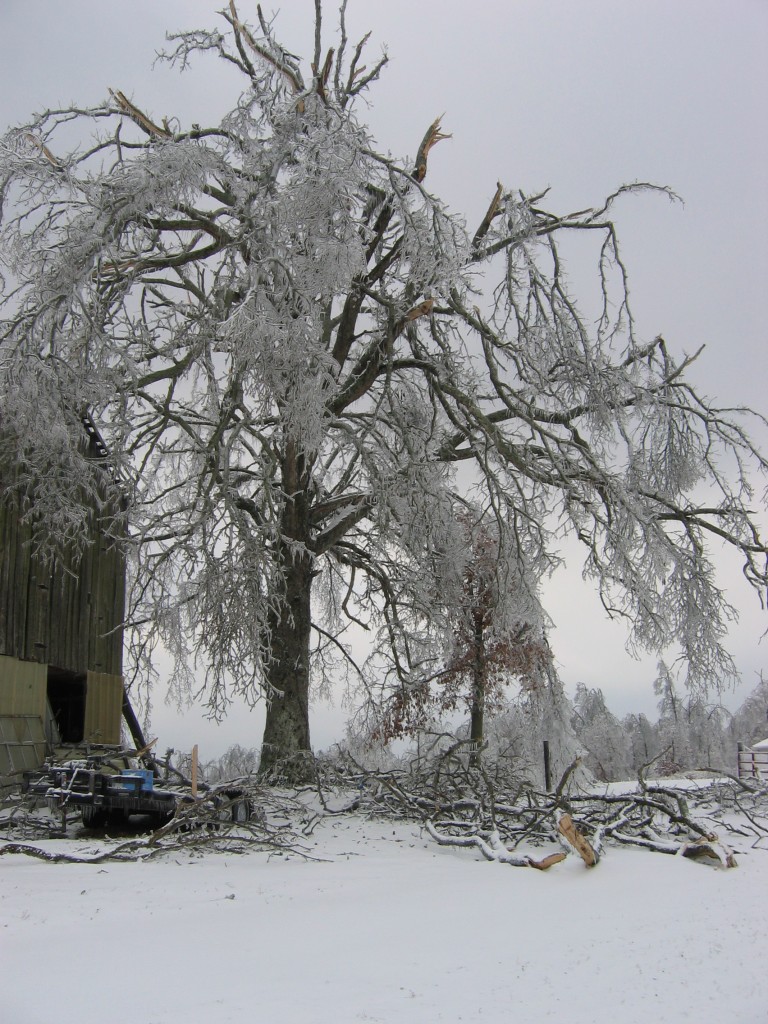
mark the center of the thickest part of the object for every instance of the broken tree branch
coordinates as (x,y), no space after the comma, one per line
(432,137)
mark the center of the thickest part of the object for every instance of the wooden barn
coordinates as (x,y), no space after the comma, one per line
(61,641)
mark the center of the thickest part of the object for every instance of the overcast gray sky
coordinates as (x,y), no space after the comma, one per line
(579,95)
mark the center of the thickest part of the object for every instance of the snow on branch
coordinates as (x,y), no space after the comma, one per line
(493,810)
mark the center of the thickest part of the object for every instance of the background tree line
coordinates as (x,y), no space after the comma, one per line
(690,733)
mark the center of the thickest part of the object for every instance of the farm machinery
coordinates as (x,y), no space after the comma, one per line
(108,788)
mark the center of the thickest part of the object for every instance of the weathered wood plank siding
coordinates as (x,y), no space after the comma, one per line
(67,613)
(14,584)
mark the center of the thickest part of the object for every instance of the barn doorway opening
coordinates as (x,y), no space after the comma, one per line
(66,697)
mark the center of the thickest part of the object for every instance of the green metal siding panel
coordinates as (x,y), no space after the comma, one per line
(22,687)
(103,708)
(22,747)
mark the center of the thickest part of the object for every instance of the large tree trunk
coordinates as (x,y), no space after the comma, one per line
(286,733)
(477,710)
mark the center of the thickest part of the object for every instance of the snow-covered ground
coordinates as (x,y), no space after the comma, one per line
(385,927)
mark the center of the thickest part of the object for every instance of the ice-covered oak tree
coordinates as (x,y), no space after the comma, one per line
(300,358)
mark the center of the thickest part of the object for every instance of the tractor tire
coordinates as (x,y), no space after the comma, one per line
(93,817)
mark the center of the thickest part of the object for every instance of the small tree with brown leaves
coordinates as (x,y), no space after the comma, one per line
(494,638)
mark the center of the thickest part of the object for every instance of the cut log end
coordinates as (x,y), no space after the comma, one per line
(577,841)
(547,862)
(709,852)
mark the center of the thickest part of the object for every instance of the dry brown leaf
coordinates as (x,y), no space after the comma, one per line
(423,309)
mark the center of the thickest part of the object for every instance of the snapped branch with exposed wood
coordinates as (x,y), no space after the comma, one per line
(45,151)
(138,116)
(432,137)
(493,211)
(242,31)
(322,75)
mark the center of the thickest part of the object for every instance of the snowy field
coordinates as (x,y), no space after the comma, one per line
(384,926)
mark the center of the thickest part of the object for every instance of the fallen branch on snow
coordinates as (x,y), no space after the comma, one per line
(490,809)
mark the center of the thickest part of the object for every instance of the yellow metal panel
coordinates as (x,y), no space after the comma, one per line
(103,708)
(22,687)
